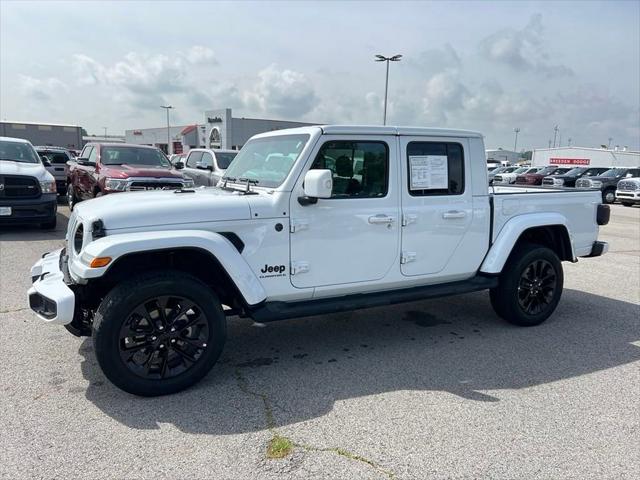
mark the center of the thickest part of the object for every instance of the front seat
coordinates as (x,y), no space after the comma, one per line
(343,181)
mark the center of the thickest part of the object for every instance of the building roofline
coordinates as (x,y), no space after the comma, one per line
(592,149)
(40,123)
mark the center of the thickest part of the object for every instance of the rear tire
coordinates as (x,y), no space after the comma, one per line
(530,286)
(158,333)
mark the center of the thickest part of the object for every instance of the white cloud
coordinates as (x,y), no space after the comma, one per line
(522,50)
(281,93)
(200,55)
(42,90)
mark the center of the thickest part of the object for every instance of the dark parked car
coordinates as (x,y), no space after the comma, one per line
(104,168)
(57,159)
(27,191)
(569,179)
(535,178)
(608,181)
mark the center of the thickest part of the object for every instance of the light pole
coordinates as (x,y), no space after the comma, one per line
(609,146)
(382,58)
(105,132)
(570,140)
(555,134)
(515,143)
(169,149)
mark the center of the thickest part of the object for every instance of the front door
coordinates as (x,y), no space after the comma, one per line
(191,169)
(354,235)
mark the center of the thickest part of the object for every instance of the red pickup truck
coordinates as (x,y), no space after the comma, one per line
(105,168)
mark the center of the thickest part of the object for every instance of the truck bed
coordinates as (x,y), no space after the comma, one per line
(577,207)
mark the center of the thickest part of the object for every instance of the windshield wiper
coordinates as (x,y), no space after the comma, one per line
(249,181)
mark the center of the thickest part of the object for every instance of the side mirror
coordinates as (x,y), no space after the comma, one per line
(178,165)
(317,184)
(46,161)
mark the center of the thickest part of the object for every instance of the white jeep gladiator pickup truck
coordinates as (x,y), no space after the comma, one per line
(306,221)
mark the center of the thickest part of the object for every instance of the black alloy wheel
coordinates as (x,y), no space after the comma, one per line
(537,287)
(158,332)
(163,337)
(529,286)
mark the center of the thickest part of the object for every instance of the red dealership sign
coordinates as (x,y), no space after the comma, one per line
(569,161)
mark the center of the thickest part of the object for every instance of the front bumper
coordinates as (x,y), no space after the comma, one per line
(50,296)
(631,196)
(33,210)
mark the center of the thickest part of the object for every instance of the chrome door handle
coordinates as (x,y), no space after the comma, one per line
(381,219)
(453,214)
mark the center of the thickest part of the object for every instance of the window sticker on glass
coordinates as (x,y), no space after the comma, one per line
(428,172)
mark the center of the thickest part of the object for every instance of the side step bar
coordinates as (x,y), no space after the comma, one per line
(271,311)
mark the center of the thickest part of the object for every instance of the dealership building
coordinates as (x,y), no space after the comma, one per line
(583,156)
(51,134)
(218,130)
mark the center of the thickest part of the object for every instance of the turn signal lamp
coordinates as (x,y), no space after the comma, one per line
(99,262)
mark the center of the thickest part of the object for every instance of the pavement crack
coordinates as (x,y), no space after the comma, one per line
(15,310)
(280,446)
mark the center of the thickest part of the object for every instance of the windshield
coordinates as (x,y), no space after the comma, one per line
(18,152)
(521,170)
(224,159)
(133,156)
(614,172)
(545,171)
(266,161)
(510,169)
(54,157)
(575,171)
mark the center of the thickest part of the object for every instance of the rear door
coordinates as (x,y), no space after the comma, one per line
(354,235)
(437,207)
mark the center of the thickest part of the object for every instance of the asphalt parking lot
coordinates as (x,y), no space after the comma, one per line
(439,388)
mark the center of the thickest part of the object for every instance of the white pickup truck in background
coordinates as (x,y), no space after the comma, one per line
(306,221)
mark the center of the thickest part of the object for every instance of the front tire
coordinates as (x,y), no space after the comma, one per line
(530,286)
(609,196)
(627,204)
(158,333)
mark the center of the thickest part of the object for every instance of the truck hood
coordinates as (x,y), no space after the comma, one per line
(163,208)
(37,170)
(564,176)
(127,171)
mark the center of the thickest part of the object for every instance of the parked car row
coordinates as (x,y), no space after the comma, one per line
(605,179)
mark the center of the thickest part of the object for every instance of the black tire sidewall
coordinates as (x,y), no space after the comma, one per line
(507,291)
(118,304)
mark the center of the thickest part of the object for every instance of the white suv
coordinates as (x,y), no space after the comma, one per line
(207,166)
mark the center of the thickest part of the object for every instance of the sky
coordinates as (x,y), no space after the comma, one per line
(485,66)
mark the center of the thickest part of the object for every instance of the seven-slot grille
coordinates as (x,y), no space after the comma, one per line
(628,186)
(155,185)
(18,186)
(583,183)
(547,181)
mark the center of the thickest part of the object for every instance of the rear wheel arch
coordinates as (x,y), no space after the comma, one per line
(554,237)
